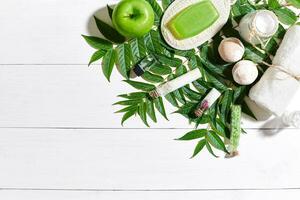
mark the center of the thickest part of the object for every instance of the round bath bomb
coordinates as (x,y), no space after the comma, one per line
(231,50)
(245,72)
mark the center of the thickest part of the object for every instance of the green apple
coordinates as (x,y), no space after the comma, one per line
(133,18)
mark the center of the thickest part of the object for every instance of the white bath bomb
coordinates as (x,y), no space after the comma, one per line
(245,72)
(231,50)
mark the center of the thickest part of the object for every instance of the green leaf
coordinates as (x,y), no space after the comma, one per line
(201,144)
(97,56)
(239,94)
(191,94)
(172,99)
(110,11)
(156,8)
(109,32)
(179,95)
(134,95)
(160,69)
(210,150)
(253,54)
(166,3)
(151,110)
(274,4)
(247,110)
(168,61)
(152,78)
(140,85)
(123,59)
(108,63)
(195,134)
(295,3)
(128,102)
(159,105)
(180,70)
(216,82)
(186,108)
(128,108)
(200,87)
(138,49)
(216,141)
(142,111)
(127,115)
(152,41)
(286,16)
(97,43)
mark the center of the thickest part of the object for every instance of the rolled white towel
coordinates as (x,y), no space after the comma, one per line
(276,88)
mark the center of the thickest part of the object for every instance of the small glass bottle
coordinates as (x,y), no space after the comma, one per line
(257,27)
(145,64)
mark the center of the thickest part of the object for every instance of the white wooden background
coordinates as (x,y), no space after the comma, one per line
(59,138)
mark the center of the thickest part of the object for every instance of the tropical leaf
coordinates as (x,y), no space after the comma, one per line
(128,108)
(110,11)
(166,3)
(159,105)
(128,102)
(172,99)
(127,115)
(109,32)
(201,144)
(97,56)
(152,41)
(140,85)
(286,16)
(152,78)
(160,69)
(123,59)
(142,111)
(151,110)
(138,49)
(108,63)
(195,134)
(295,3)
(216,141)
(210,150)
(134,95)
(97,43)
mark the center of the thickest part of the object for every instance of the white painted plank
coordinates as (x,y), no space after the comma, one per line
(60,96)
(142,160)
(48,31)
(207,195)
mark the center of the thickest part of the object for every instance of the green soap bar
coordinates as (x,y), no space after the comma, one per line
(193,20)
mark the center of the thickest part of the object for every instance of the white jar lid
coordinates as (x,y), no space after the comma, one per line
(265,23)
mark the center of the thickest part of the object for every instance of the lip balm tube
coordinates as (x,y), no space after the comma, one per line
(176,83)
(259,26)
(207,102)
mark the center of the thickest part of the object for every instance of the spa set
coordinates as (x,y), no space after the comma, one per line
(212,60)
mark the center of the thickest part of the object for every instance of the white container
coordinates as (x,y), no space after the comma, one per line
(259,26)
(176,83)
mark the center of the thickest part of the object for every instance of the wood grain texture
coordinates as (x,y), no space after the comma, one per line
(142,160)
(48,31)
(195,195)
(68,144)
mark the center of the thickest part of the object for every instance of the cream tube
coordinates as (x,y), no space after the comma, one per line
(207,102)
(176,83)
